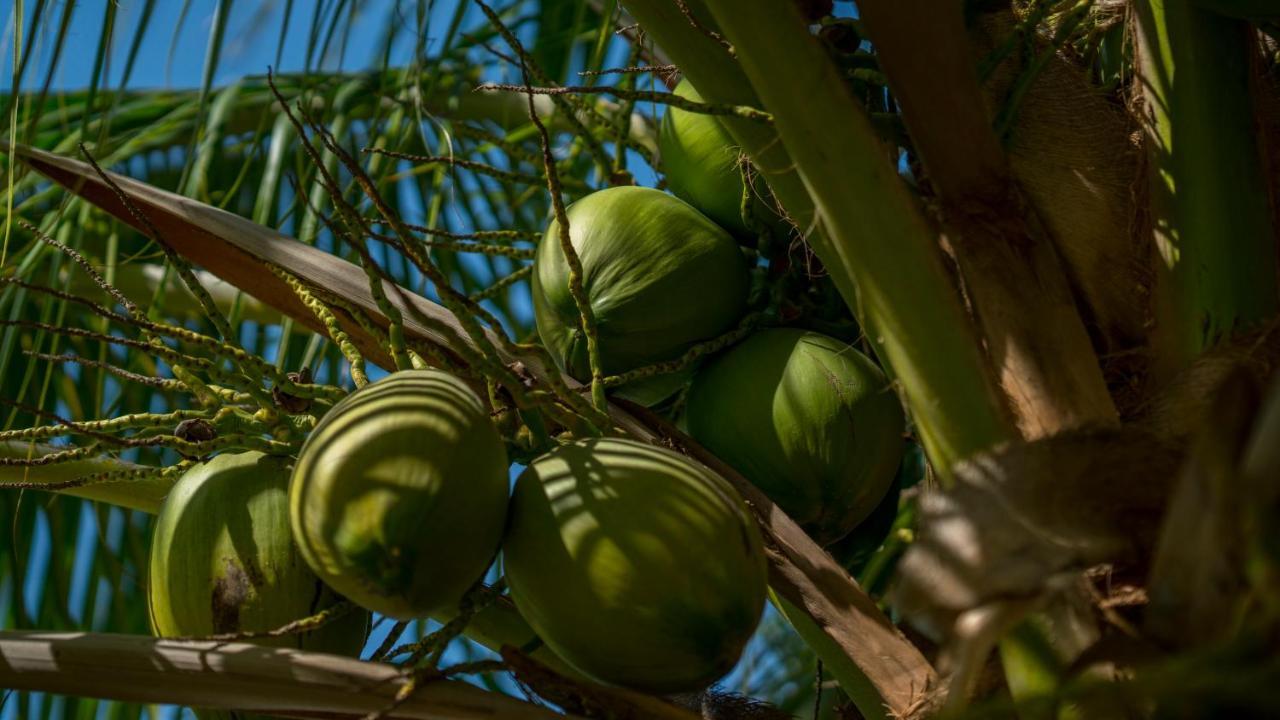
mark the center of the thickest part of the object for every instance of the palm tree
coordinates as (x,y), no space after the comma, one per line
(1050,222)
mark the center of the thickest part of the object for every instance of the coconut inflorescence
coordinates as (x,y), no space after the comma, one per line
(634,564)
(659,277)
(223,560)
(399,495)
(807,419)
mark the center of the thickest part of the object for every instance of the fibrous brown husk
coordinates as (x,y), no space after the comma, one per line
(1197,581)
(1023,512)
(1174,411)
(1072,150)
(1020,515)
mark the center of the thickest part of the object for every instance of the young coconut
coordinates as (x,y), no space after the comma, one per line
(659,277)
(807,419)
(399,495)
(635,565)
(223,560)
(700,162)
(856,549)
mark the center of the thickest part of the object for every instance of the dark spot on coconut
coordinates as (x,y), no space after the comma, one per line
(256,577)
(229,594)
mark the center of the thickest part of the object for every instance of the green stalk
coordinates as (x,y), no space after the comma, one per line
(869,231)
(1216,264)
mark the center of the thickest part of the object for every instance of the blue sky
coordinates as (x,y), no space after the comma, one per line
(171,59)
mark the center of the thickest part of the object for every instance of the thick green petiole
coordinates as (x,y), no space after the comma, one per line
(837,180)
(1216,265)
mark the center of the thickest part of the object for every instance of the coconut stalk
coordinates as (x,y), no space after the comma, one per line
(240,252)
(1010,268)
(236,676)
(1215,241)
(834,179)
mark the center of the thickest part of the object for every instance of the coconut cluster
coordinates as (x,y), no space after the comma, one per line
(634,565)
(807,418)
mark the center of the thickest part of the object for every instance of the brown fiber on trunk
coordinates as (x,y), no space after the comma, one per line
(1021,515)
(1072,151)
(1174,410)
(1010,268)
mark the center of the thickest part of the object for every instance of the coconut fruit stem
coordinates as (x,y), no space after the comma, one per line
(580,299)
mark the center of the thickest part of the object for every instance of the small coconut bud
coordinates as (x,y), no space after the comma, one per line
(195,430)
(291,403)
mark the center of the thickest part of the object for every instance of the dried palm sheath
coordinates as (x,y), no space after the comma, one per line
(1071,149)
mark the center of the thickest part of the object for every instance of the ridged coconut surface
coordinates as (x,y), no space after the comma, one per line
(635,565)
(660,277)
(223,559)
(400,493)
(807,419)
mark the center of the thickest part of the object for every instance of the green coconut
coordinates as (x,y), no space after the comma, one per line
(659,276)
(223,560)
(399,495)
(635,565)
(807,419)
(700,160)
(855,549)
